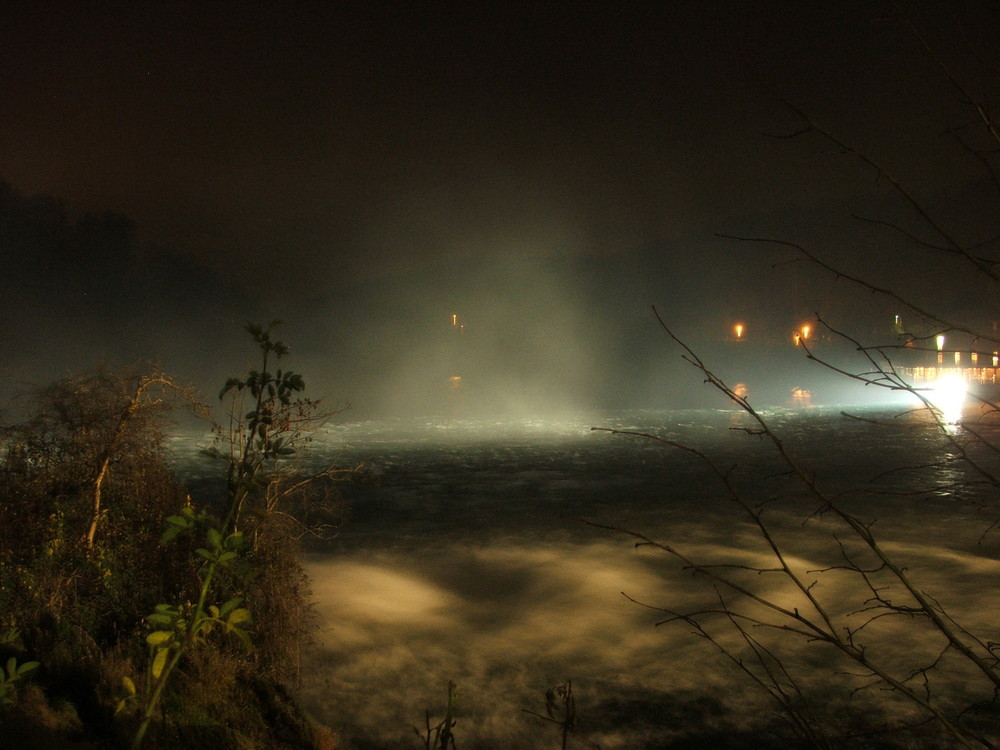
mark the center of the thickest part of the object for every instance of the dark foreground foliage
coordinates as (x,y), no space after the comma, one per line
(86,486)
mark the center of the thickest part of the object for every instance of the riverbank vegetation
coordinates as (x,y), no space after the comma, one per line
(130,616)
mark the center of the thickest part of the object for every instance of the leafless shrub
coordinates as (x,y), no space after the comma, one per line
(883,634)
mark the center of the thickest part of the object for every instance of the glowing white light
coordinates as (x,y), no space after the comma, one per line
(948,396)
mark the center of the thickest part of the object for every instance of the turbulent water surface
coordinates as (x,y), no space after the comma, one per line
(471,555)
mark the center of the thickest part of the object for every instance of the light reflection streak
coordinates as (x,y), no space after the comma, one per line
(947,395)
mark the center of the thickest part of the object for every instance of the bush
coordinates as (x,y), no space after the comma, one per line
(87,489)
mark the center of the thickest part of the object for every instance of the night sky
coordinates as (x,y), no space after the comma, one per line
(546,171)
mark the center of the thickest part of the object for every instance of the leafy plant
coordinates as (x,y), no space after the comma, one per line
(99,541)
(85,484)
(267,420)
(13,672)
(177,629)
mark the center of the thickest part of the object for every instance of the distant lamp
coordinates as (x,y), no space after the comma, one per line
(738,330)
(940,341)
(897,325)
(805,331)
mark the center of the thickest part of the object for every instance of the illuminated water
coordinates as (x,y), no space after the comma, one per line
(466,558)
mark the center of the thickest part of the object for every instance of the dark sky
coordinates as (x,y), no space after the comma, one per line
(418,158)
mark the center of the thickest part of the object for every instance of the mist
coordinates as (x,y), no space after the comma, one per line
(366,174)
(502,334)
(507,620)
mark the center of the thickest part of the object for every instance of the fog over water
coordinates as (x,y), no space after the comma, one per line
(465,559)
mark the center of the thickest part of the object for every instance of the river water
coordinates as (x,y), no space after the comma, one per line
(475,552)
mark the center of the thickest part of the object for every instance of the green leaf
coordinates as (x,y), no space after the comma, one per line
(10,635)
(159,662)
(158,618)
(214,538)
(28,666)
(11,668)
(171,533)
(230,605)
(239,618)
(230,384)
(225,557)
(158,638)
(128,685)
(202,552)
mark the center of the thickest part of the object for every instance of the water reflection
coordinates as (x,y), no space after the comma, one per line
(948,395)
